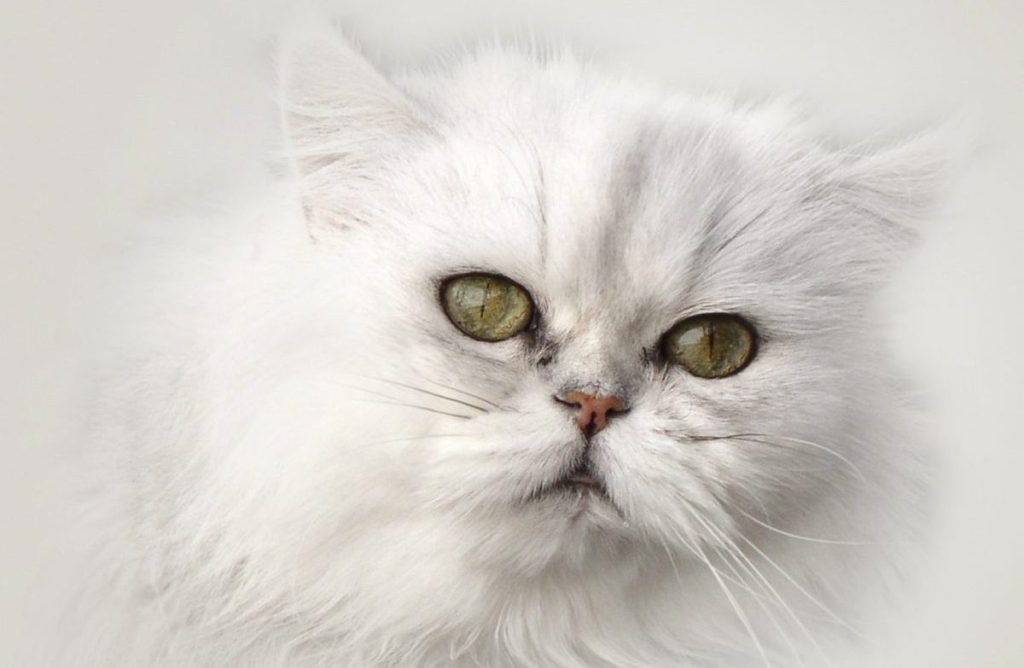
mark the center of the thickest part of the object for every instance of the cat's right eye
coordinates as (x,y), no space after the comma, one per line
(487,307)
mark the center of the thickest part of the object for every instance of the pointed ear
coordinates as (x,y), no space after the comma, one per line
(872,203)
(342,117)
(901,184)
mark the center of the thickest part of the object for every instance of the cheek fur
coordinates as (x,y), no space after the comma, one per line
(690,463)
(504,455)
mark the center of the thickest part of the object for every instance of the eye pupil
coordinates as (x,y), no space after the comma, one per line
(487,307)
(710,346)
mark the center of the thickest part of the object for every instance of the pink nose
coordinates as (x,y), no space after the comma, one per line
(593,410)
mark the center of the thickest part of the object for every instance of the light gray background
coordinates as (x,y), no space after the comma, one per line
(113,111)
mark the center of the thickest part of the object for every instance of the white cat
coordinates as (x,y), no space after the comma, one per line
(526,366)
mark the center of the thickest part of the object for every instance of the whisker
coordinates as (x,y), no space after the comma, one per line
(664,545)
(468,394)
(728,558)
(756,573)
(471,395)
(433,394)
(419,407)
(755,437)
(760,599)
(737,608)
(809,539)
(395,401)
(824,608)
(418,437)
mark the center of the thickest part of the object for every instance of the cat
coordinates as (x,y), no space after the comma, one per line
(521,364)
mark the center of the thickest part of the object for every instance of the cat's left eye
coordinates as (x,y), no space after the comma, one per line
(715,345)
(487,307)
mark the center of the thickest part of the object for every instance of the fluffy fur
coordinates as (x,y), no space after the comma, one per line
(305,464)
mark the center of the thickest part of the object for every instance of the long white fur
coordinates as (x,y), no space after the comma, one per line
(276,493)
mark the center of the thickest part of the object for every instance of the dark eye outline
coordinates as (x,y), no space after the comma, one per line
(531,323)
(743,322)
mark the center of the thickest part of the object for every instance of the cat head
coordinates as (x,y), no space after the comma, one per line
(565,314)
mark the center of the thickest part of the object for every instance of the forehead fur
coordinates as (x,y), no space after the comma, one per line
(598,192)
(615,195)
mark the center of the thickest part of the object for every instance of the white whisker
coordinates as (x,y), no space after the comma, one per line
(744,620)
(752,568)
(822,541)
(824,608)
(765,439)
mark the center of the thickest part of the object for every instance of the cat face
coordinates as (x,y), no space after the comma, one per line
(585,316)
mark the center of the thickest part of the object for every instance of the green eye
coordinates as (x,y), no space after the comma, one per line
(710,346)
(487,307)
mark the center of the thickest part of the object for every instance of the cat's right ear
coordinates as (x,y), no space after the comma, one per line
(342,117)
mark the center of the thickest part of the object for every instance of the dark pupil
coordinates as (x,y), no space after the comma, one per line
(710,328)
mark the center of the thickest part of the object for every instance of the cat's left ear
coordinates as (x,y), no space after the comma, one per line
(903,184)
(343,118)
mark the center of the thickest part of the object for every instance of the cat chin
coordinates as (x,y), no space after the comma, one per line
(563,531)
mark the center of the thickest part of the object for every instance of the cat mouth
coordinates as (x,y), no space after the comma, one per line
(583,479)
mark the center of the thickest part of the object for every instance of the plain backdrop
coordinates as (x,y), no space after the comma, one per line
(115,111)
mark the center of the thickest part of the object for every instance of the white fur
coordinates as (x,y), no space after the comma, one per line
(273,498)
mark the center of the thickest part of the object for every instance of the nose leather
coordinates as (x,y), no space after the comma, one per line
(593,411)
